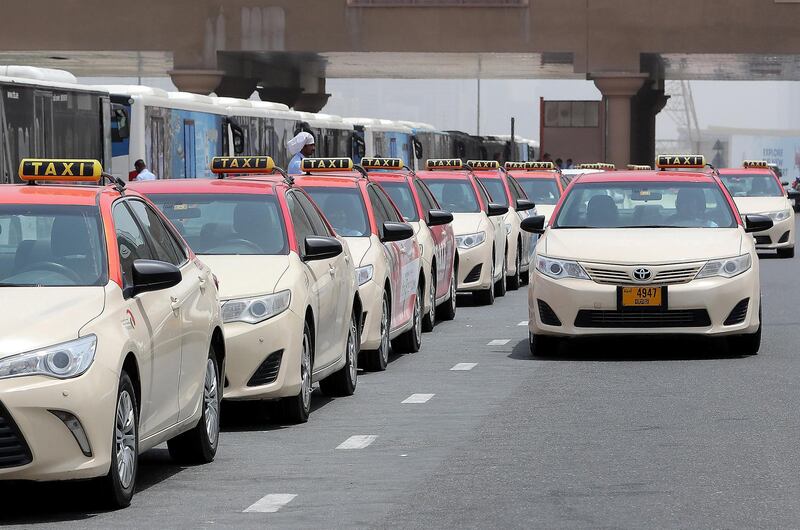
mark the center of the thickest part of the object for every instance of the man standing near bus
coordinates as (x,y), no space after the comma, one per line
(142,173)
(299,147)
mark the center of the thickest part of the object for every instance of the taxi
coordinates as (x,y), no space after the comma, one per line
(434,234)
(643,253)
(481,235)
(503,189)
(115,343)
(289,301)
(385,253)
(756,189)
(542,182)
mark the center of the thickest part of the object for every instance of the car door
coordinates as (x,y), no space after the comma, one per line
(445,246)
(518,193)
(392,252)
(323,291)
(160,361)
(190,300)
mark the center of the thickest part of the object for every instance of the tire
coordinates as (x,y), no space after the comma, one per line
(746,344)
(199,445)
(429,321)
(786,252)
(447,311)
(343,382)
(486,297)
(411,340)
(295,409)
(116,488)
(378,360)
(543,345)
(525,277)
(515,281)
(500,286)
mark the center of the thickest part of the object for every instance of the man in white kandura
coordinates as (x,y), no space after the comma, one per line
(299,147)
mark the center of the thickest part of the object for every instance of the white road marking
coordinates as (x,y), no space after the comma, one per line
(499,342)
(523,323)
(463,367)
(359,441)
(418,398)
(271,503)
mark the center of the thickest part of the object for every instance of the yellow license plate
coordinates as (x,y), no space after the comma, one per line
(642,297)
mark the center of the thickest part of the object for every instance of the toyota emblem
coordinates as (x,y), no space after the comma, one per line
(641,274)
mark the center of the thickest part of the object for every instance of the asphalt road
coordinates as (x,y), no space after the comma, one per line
(606,435)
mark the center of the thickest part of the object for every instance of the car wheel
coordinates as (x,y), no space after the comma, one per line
(447,311)
(378,360)
(199,445)
(117,486)
(500,286)
(486,297)
(786,252)
(543,345)
(295,409)
(343,382)
(411,340)
(429,322)
(515,281)
(746,344)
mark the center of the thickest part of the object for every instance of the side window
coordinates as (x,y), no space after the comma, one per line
(380,213)
(302,226)
(516,191)
(156,232)
(391,212)
(483,194)
(317,224)
(130,240)
(427,192)
(423,199)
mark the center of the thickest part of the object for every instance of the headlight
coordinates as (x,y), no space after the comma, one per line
(727,268)
(508,228)
(364,274)
(781,215)
(559,268)
(62,361)
(256,309)
(470,240)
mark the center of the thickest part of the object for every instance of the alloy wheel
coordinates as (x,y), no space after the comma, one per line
(125,439)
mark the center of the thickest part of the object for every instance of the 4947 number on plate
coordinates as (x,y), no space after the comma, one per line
(642,297)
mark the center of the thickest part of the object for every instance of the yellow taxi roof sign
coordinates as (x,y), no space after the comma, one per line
(483,164)
(680,162)
(639,167)
(755,164)
(444,163)
(382,163)
(588,166)
(60,170)
(540,166)
(221,165)
(316,165)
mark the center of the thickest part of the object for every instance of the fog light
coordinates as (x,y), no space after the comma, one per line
(76,429)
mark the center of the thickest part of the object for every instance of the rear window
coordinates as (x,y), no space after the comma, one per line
(751,185)
(456,196)
(344,208)
(400,192)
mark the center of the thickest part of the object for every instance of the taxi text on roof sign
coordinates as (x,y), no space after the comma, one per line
(311,165)
(382,163)
(755,163)
(588,166)
(444,163)
(242,164)
(483,164)
(60,170)
(680,162)
(531,166)
(638,167)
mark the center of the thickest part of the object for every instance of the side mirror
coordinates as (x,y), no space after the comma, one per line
(525,204)
(393,231)
(533,224)
(793,194)
(495,209)
(151,275)
(439,217)
(321,248)
(756,223)
(784,183)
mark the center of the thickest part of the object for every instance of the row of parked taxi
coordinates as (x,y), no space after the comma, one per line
(137,309)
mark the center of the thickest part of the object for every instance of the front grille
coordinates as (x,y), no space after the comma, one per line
(784,238)
(622,276)
(738,313)
(763,240)
(14,450)
(643,318)
(547,315)
(268,371)
(676,275)
(474,275)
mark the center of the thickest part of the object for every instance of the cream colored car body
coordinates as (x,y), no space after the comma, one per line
(619,252)
(430,251)
(494,245)
(168,345)
(765,205)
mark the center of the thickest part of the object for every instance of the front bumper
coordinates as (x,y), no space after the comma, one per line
(776,237)
(587,308)
(54,452)
(254,351)
(470,278)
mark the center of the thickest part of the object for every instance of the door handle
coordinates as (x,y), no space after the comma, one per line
(175,304)
(332,270)
(202,284)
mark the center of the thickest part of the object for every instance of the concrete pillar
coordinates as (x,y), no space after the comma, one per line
(196,81)
(617,90)
(645,106)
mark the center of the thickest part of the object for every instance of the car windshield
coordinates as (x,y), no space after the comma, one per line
(752,185)
(400,192)
(497,192)
(226,224)
(51,246)
(344,208)
(540,191)
(456,196)
(645,205)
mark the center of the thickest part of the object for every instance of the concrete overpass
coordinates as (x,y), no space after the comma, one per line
(286,49)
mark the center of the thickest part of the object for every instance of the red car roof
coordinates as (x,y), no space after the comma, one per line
(457,174)
(235,185)
(644,176)
(388,175)
(544,175)
(344,179)
(52,194)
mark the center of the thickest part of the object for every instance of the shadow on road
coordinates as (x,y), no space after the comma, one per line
(250,416)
